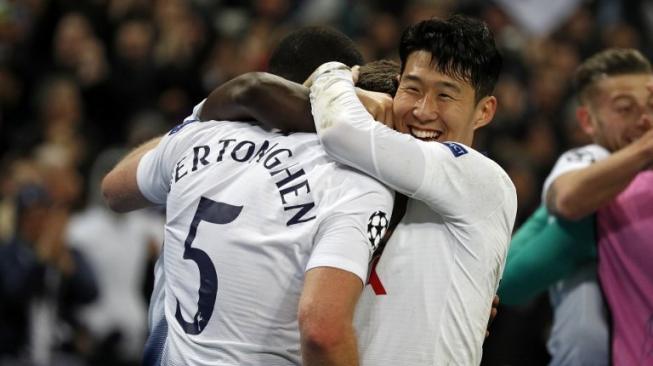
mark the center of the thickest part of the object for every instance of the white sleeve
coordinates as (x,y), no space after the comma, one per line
(156,167)
(454,180)
(153,176)
(574,159)
(352,229)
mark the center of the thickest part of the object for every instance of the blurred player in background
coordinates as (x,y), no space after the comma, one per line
(262,228)
(614,110)
(625,223)
(560,255)
(430,293)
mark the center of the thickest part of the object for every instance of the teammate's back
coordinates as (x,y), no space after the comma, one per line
(244,209)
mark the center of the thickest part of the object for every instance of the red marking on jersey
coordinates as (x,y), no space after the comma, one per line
(374,279)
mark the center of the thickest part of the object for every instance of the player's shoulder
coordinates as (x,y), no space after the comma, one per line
(191,127)
(574,159)
(346,192)
(483,179)
(212,133)
(467,154)
(489,171)
(588,154)
(354,178)
(188,131)
(492,183)
(338,181)
(577,158)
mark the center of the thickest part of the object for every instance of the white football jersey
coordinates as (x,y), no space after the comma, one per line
(248,211)
(429,298)
(574,159)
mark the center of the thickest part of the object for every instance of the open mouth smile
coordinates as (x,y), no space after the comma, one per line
(426,135)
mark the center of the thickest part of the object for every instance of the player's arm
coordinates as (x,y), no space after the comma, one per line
(279,103)
(120,187)
(266,98)
(338,266)
(544,251)
(578,193)
(326,311)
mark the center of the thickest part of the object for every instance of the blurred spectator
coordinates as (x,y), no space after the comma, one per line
(71,34)
(180,36)
(61,117)
(621,35)
(133,77)
(42,282)
(20,172)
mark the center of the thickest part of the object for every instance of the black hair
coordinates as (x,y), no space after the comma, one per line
(460,47)
(609,62)
(303,50)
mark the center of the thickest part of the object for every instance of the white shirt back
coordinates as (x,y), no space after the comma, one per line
(248,212)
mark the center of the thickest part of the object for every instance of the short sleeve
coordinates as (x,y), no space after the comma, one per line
(574,159)
(153,180)
(352,228)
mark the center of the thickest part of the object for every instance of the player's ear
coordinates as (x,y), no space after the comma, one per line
(485,110)
(584,118)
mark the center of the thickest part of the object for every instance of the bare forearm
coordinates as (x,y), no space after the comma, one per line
(265,98)
(119,186)
(579,193)
(326,311)
(345,353)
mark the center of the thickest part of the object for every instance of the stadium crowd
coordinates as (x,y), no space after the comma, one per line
(82,81)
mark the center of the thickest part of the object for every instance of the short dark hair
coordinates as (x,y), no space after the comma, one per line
(609,62)
(460,47)
(379,76)
(303,50)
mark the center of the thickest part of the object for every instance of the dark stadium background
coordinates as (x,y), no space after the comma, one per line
(80,77)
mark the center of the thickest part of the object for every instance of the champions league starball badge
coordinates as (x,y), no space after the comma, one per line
(376,228)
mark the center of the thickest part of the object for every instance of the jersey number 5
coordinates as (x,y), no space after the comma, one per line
(216,213)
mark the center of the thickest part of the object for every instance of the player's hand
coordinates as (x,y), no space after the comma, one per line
(333,65)
(493,314)
(379,105)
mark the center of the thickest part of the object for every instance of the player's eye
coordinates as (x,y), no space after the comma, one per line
(410,88)
(445,96)
(625,109)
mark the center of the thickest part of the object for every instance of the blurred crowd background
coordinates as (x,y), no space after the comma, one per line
(82,81)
